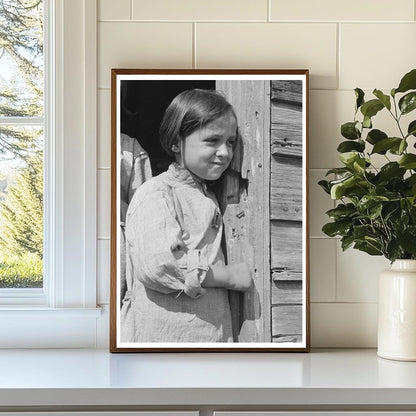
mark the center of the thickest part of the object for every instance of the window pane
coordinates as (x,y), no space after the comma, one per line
(21,207)
(21,58)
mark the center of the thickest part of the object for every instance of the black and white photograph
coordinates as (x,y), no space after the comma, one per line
(209,210)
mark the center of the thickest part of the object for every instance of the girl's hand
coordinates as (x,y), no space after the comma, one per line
(240,277)
(234,276)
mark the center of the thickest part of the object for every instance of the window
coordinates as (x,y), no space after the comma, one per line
(63,313)
(22,128)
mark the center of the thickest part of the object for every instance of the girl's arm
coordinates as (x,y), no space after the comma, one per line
(154,241)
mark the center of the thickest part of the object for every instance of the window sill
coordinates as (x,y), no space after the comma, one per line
(331,379)
(40,327)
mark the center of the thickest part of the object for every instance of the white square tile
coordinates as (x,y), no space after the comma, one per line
(323,269)
(142,45)
(342,10)
(104,203)
(319,203)
(200,10)
(328,111)
(376,55)
(357,275)
(270,45)
(114,10)
(343,325)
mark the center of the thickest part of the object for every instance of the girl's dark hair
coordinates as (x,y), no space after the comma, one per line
(189,111)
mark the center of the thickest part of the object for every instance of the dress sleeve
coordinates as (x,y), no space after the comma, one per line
(158,255)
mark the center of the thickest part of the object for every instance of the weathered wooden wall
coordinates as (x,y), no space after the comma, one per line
(286,210)
(245,200)
(262,202)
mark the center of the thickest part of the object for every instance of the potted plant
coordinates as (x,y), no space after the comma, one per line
(376,209)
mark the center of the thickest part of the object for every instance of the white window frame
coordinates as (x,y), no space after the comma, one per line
(64,313)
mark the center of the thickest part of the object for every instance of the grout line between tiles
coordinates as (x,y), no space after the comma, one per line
(344,303)
(335,253)
(338,63)
(194,62)
(308,22)
(131,9)
(269,10)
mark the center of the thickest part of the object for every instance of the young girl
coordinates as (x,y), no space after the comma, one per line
(177,279)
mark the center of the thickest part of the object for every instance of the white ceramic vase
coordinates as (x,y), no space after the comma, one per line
(397,312)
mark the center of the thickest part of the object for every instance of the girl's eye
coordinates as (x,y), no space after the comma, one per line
(212,140)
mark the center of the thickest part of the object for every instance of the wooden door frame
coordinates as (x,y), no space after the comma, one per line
(246,202)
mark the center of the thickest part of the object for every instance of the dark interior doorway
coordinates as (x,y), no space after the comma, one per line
(143,104)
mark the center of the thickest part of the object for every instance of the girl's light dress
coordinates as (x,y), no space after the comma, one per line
(173,233)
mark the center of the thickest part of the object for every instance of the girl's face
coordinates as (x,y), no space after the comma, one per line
(207,152)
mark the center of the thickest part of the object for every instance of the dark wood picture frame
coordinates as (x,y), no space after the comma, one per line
(264,200)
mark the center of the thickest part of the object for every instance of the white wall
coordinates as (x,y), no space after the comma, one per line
(345,44)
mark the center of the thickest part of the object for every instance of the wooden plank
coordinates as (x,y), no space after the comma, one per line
(286,115)
(245,204)
(284,292)
(286,189)
(286,142)
(290,91)
(287,134)
(288,338)
(286,246)
(281,275)
(286,320)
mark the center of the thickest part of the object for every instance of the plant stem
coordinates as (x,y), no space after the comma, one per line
(397,118)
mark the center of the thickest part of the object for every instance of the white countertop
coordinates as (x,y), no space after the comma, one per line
(96,377)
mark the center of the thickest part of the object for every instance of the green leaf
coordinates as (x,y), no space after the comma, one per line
(398,149)
(325,186)
(371,108)
(359,95)
(391,170)
(350,131)
(408,82)
(349,146)
(408,161)
(368,201)
(361,231)
(346,242)
(342,211)
(338,189)
(407,239)
(408,102)
(367,122)
(375,211)
(333,229)
(368,248)
(385,99)
(350,187)
(411,130)
(359,165)
(374,136)
(338,171)
(348,158)
(393,250)
(383,145)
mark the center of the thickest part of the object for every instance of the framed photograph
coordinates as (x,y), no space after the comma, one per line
(209,211)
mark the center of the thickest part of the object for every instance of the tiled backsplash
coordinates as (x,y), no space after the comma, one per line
(345,44)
